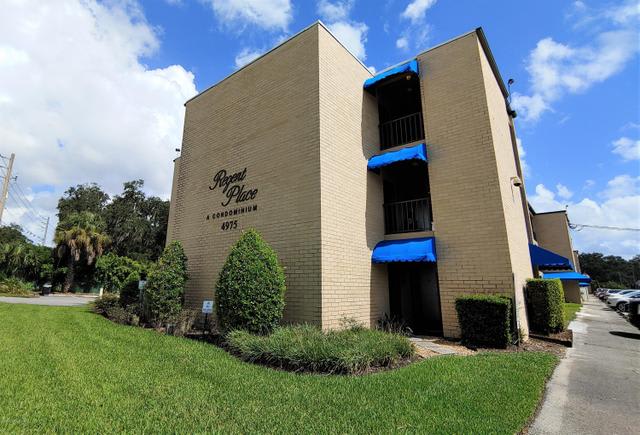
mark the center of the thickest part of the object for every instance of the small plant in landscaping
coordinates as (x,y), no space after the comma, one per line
(103,304)
(394,325)
(545,305)
(250,289)
(164,292)
(308,348)
(485,320)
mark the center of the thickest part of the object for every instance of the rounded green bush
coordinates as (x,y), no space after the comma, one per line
(164,292)
(251,286)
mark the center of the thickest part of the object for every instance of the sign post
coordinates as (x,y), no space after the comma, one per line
(207,308)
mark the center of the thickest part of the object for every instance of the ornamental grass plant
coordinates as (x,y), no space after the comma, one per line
(307,348)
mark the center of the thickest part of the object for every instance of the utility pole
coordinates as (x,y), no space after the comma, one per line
(46,228)
(5,185)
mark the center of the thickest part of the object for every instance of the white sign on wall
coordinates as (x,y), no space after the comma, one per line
(207,307)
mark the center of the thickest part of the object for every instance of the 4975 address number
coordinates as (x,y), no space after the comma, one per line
(229,225)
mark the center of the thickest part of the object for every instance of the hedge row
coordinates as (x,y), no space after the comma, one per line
(545,305)
(485,320)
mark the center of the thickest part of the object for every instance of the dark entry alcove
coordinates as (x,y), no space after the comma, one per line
(414,296)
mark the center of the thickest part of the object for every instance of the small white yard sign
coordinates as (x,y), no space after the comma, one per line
(207,307)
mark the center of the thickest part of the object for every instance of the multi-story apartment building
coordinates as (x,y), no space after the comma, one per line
(392,193)
(552,252)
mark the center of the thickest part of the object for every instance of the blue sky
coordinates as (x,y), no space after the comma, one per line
(575,65)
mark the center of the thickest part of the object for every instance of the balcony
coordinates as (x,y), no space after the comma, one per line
(407,216)
(401,131)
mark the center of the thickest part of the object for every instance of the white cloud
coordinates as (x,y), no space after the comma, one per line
(588,184)
(627,148)
(619,207)
(417,10)
(621,186)
(245,56)
(416,35)
(526,169)
(372,69)
(350,33)
(557,69)
(402,43)
(353,35)
(334,11)
(267,14)
(563,191)
(80,106)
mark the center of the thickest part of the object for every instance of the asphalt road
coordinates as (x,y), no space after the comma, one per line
(596,388)
(53,300)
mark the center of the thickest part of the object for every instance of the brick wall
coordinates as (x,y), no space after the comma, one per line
(470,163)
(264,117)
(351,196)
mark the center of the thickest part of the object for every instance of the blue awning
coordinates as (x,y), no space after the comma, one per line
(416,152)
(408,67)
(546,259)
(421,249)
(568,276)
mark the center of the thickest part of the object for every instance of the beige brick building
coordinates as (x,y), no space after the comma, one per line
(383,195)
(551,232)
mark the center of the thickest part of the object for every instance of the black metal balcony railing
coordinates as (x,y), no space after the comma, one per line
(407,216)
(401,131)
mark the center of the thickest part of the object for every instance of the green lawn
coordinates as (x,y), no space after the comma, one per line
(570,312)
(67,369)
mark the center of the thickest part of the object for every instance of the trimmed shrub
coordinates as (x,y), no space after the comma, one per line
(485,320)
(545,305)
(116,273)
(164,292)
(308,348)
(251,286)
(103,304)
(634,314)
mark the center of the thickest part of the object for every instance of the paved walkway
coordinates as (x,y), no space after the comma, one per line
(54,300)
(596,387)
(429,344)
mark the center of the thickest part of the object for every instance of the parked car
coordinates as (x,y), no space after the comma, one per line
(600,291)
(609,292)
(618,300)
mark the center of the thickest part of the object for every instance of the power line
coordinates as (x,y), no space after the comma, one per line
(580,227)
(25,201)
(28,210)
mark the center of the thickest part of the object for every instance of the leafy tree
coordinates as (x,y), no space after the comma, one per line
(12,233)
(137,223)
(250,289)
(26,261)
(164,292)
(115,272)
(87,197)
(80,237)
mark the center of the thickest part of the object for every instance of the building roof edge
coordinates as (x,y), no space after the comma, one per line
(310,26)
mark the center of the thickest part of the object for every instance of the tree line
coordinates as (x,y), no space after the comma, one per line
(90,223)
(611,271)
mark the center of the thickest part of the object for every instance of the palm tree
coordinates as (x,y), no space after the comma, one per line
(79,236)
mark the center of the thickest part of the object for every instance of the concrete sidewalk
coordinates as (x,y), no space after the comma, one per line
(596,388)
(52,300)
